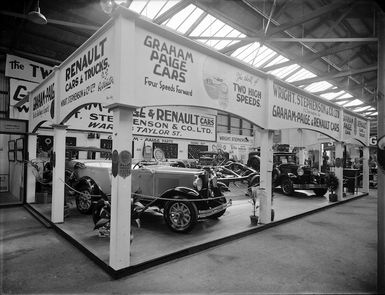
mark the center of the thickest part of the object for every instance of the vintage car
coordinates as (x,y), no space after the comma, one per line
(184,195)
(291,176)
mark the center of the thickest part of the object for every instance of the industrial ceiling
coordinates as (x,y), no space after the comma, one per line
(327,47)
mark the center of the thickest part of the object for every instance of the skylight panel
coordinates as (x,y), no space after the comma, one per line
(282,72)
(277,60)
(342,102)
(244,51)
(138,5)
(177,20)
(318,86)
(204,24)
(194,15)
(362,109)
(223,43)
(152,8)
(353,103)
(300,75)
(264,54)
(347,95)
(167,6)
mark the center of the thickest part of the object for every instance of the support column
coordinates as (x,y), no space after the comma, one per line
(365,170)
(58,176)
(31,179)
(339,171)
(121,191)
(266,170)
(380,133)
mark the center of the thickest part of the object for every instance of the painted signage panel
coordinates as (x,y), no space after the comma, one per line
(13,126)
(18,90)
(42,103)
(355,127)
(175,122)
(291,108)
(25,69)
(87,77)
(168,73)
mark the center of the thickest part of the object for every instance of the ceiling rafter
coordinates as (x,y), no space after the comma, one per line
(310,16)
(311,57)
(334,76)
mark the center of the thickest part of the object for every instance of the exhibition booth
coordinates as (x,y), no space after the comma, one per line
(144,77)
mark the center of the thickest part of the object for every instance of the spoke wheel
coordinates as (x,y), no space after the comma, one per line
(180,216)
(287,187)
(83,201)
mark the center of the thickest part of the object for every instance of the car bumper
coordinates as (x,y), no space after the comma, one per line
(307,186)
(212,211)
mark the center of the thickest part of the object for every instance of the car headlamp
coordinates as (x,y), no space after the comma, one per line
(315,171)
(300,171)
(198,183)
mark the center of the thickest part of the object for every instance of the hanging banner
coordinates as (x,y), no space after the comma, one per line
(171,122)
(18,89)
(289,107)
(171,73)
(356,128)
(42,103)
(86,77)
(25,69)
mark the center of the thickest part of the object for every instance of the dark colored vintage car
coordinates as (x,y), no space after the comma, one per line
(184,195)
(291,176)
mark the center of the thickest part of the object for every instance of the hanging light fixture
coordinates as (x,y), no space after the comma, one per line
(35,16)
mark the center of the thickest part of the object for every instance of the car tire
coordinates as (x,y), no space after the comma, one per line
(254,181)
(287,186)
(319,192)
(84,200)
(180,216)
(255,164)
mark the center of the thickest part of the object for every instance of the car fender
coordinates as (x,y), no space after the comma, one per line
(186,192)
(91,184)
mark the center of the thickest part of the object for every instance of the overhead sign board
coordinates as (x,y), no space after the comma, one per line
(171,73)
(86,77)
(289,107)
(25,69)
(18,90)
(355,127)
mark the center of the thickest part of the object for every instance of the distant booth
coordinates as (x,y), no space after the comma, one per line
(131,63)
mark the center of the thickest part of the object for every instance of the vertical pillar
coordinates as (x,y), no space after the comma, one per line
(320,156)
(380,133)
(339,171)
(58,176)
(266,170)
(31,179)
(365,170)
(121,191)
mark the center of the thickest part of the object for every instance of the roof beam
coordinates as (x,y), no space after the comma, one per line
(310,57)
(334,76)
(316,14)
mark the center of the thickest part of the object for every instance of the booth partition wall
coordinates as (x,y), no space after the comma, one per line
(12,159)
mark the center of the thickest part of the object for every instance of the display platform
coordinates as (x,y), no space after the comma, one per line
(154,241)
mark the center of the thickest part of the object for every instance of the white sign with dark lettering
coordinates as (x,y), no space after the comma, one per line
(175,122)
(291,108)
(18,90)
(25,69)
(170,73)
(87,78)
(355,127)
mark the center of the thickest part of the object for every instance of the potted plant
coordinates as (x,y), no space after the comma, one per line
(332,186)
(254,202)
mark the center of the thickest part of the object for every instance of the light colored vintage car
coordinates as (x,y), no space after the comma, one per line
(184,195)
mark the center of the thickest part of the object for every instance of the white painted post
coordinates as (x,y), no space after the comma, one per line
(121,192)
(339,171)
(31,179)
(365,170)
(58,176)
(266,169)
